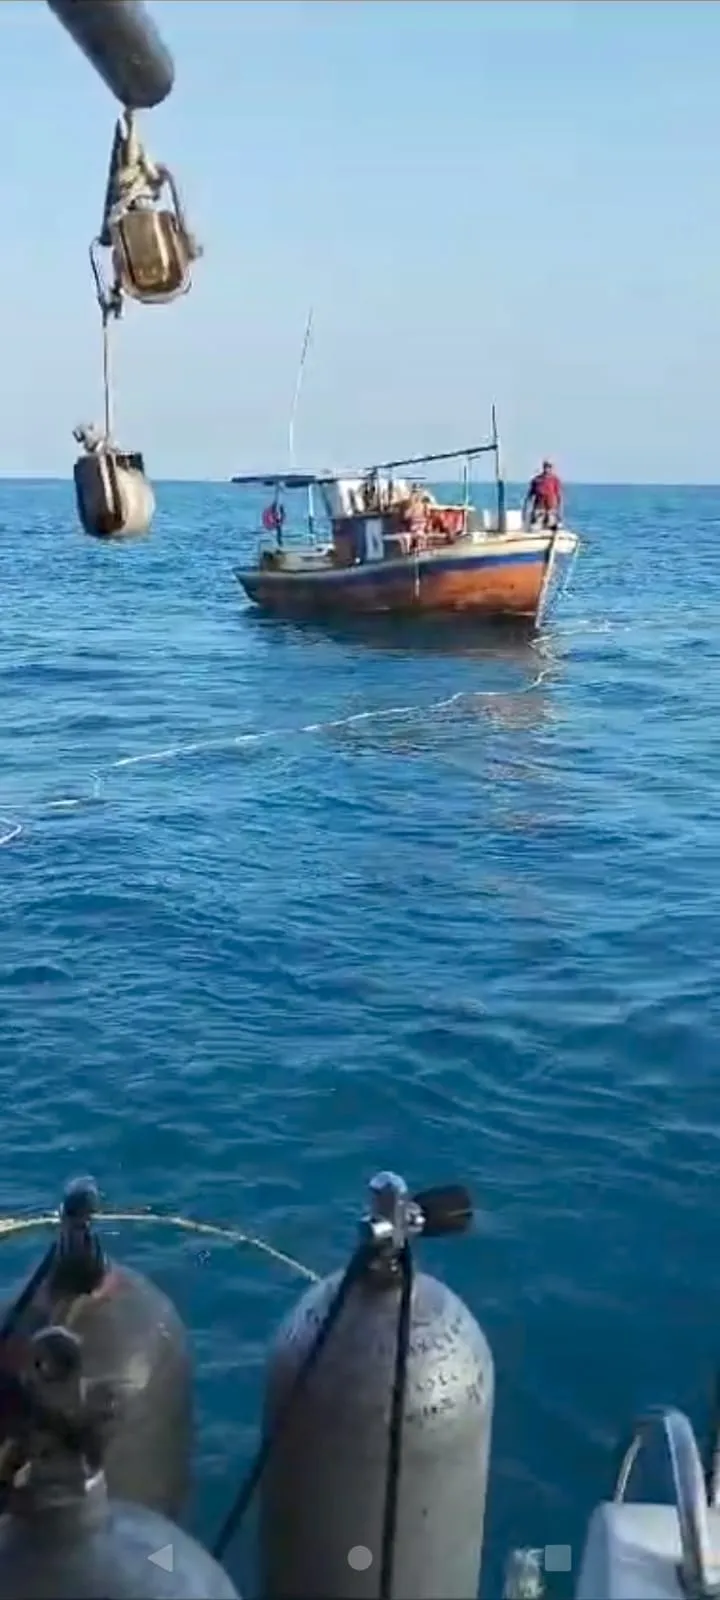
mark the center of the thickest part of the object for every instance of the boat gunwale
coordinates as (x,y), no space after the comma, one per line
(464,550)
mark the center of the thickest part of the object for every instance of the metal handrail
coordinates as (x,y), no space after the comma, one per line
(689,1487)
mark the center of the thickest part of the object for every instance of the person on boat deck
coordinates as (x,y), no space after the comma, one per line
(370,494)
(544,500)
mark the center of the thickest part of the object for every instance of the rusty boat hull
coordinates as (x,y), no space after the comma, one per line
(491,578)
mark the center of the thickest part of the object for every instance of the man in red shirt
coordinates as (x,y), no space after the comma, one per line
(544,499)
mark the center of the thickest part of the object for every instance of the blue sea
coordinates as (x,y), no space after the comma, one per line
(282,906)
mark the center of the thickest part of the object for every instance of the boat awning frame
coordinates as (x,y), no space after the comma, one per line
(283,480)
(311,480)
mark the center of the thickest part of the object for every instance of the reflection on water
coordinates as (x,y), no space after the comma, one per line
(443,726)
(474,703)
(509,639)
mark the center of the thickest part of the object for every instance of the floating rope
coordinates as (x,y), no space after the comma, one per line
(200,747)
(14,1225)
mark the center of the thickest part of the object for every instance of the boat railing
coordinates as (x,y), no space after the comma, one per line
(292,536)
(689,1490)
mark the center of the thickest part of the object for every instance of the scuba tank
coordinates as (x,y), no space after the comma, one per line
(114,498)
(395,1412)
(62,1537)
(132,1339)
(122,43)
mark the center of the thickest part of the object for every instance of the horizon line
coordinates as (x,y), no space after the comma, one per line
(569,483)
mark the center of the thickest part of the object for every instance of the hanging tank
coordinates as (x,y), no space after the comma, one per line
(145,236)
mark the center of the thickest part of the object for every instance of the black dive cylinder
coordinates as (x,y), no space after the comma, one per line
(133,1342)
(122,43)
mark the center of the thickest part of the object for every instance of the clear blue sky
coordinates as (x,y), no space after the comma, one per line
(511,201)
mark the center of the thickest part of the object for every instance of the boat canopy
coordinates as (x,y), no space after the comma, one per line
(342,492)
(283,480)
(311,480)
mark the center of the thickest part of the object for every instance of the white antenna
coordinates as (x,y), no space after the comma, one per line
(298,386)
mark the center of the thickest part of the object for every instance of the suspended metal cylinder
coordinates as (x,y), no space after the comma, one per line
(120,40)
(132,1341)
(114,498)
(324,1491)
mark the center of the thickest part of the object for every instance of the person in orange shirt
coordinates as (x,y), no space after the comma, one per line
(543,505)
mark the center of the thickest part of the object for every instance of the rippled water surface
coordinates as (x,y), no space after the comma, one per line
(280,907)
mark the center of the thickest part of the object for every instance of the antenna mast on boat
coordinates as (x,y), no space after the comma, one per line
(298,387)
(499,479)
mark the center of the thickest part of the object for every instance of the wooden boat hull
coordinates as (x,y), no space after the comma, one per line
(498,577)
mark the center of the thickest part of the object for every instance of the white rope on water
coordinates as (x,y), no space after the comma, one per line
(212,1230)
(263,736)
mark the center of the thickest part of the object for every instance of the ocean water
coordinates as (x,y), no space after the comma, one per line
(281,906)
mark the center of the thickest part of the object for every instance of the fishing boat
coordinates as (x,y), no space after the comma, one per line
(375,1450)
(375,542)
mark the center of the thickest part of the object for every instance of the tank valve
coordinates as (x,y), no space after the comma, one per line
(81,1200)
(65,1425)
(57,1359)
(395,1216)
(445,1209)
(80,1263)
